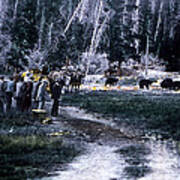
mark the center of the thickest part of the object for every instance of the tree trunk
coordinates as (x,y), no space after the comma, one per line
(73,16)
(91,50)
(50,34)
(124,17)
(41,29)
(136,25)
(37,8)
(147,56)
(15,9)
(159,21)
(70,8)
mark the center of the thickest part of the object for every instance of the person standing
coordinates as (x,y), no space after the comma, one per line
(10,87)
(28,96)
(41,94)
(2,94)
(19,93)
(34,93)
(56,92)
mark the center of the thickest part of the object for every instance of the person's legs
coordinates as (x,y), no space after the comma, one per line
(19,103)
(55,107)
(1,106)
(35,104)
(9,100)
(41,103)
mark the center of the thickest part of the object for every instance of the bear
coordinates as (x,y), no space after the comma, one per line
(176,85)
(111,81)
(167,84)
(145,83)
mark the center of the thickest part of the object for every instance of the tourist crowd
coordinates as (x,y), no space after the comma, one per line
(26,93)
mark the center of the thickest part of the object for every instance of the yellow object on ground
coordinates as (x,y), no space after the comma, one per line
(105,88)
(59,133)
(136,88)
(40,114)
(39,111)
(47,120)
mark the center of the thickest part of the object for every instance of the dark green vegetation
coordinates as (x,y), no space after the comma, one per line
(28,151)
(39,25)
(158,113)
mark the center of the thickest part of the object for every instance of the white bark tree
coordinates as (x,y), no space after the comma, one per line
(41,29)
(124,22)
(147,56)
(50,34)
(15,9)
(5,38)
(136,24)
(158,21)
(99,7)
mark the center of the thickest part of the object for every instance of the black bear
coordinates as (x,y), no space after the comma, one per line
(145,83)
(167,83)
(111,81)
(176,85)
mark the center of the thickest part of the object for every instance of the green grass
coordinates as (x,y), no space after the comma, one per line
(145,111)
(16,119)
(32,156)
(27,151)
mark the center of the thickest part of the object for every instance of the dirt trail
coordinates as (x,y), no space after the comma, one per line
(96,127)
(115,153)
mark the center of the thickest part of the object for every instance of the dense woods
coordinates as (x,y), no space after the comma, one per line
(41,31)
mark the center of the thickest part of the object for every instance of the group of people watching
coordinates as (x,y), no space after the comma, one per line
(25,94)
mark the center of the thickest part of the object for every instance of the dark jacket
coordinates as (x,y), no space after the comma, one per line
(56,90)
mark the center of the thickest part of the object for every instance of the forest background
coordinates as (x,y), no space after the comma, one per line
(38,31)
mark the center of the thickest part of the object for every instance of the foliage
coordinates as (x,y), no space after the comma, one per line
(30,26)
(27,149)
(146,111)
(23,157)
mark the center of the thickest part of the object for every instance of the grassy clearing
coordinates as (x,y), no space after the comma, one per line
(32,156)
(26,154)
(16,119)
(145,111)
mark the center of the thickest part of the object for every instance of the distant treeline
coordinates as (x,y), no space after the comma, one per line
(33,30)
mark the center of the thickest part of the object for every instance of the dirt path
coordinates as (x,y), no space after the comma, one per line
(115,153)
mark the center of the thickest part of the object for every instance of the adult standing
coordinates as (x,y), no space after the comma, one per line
(10,87)
(41,94)
(36,85)
(56,92)
(28,95)
(2,94)
(19,93)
